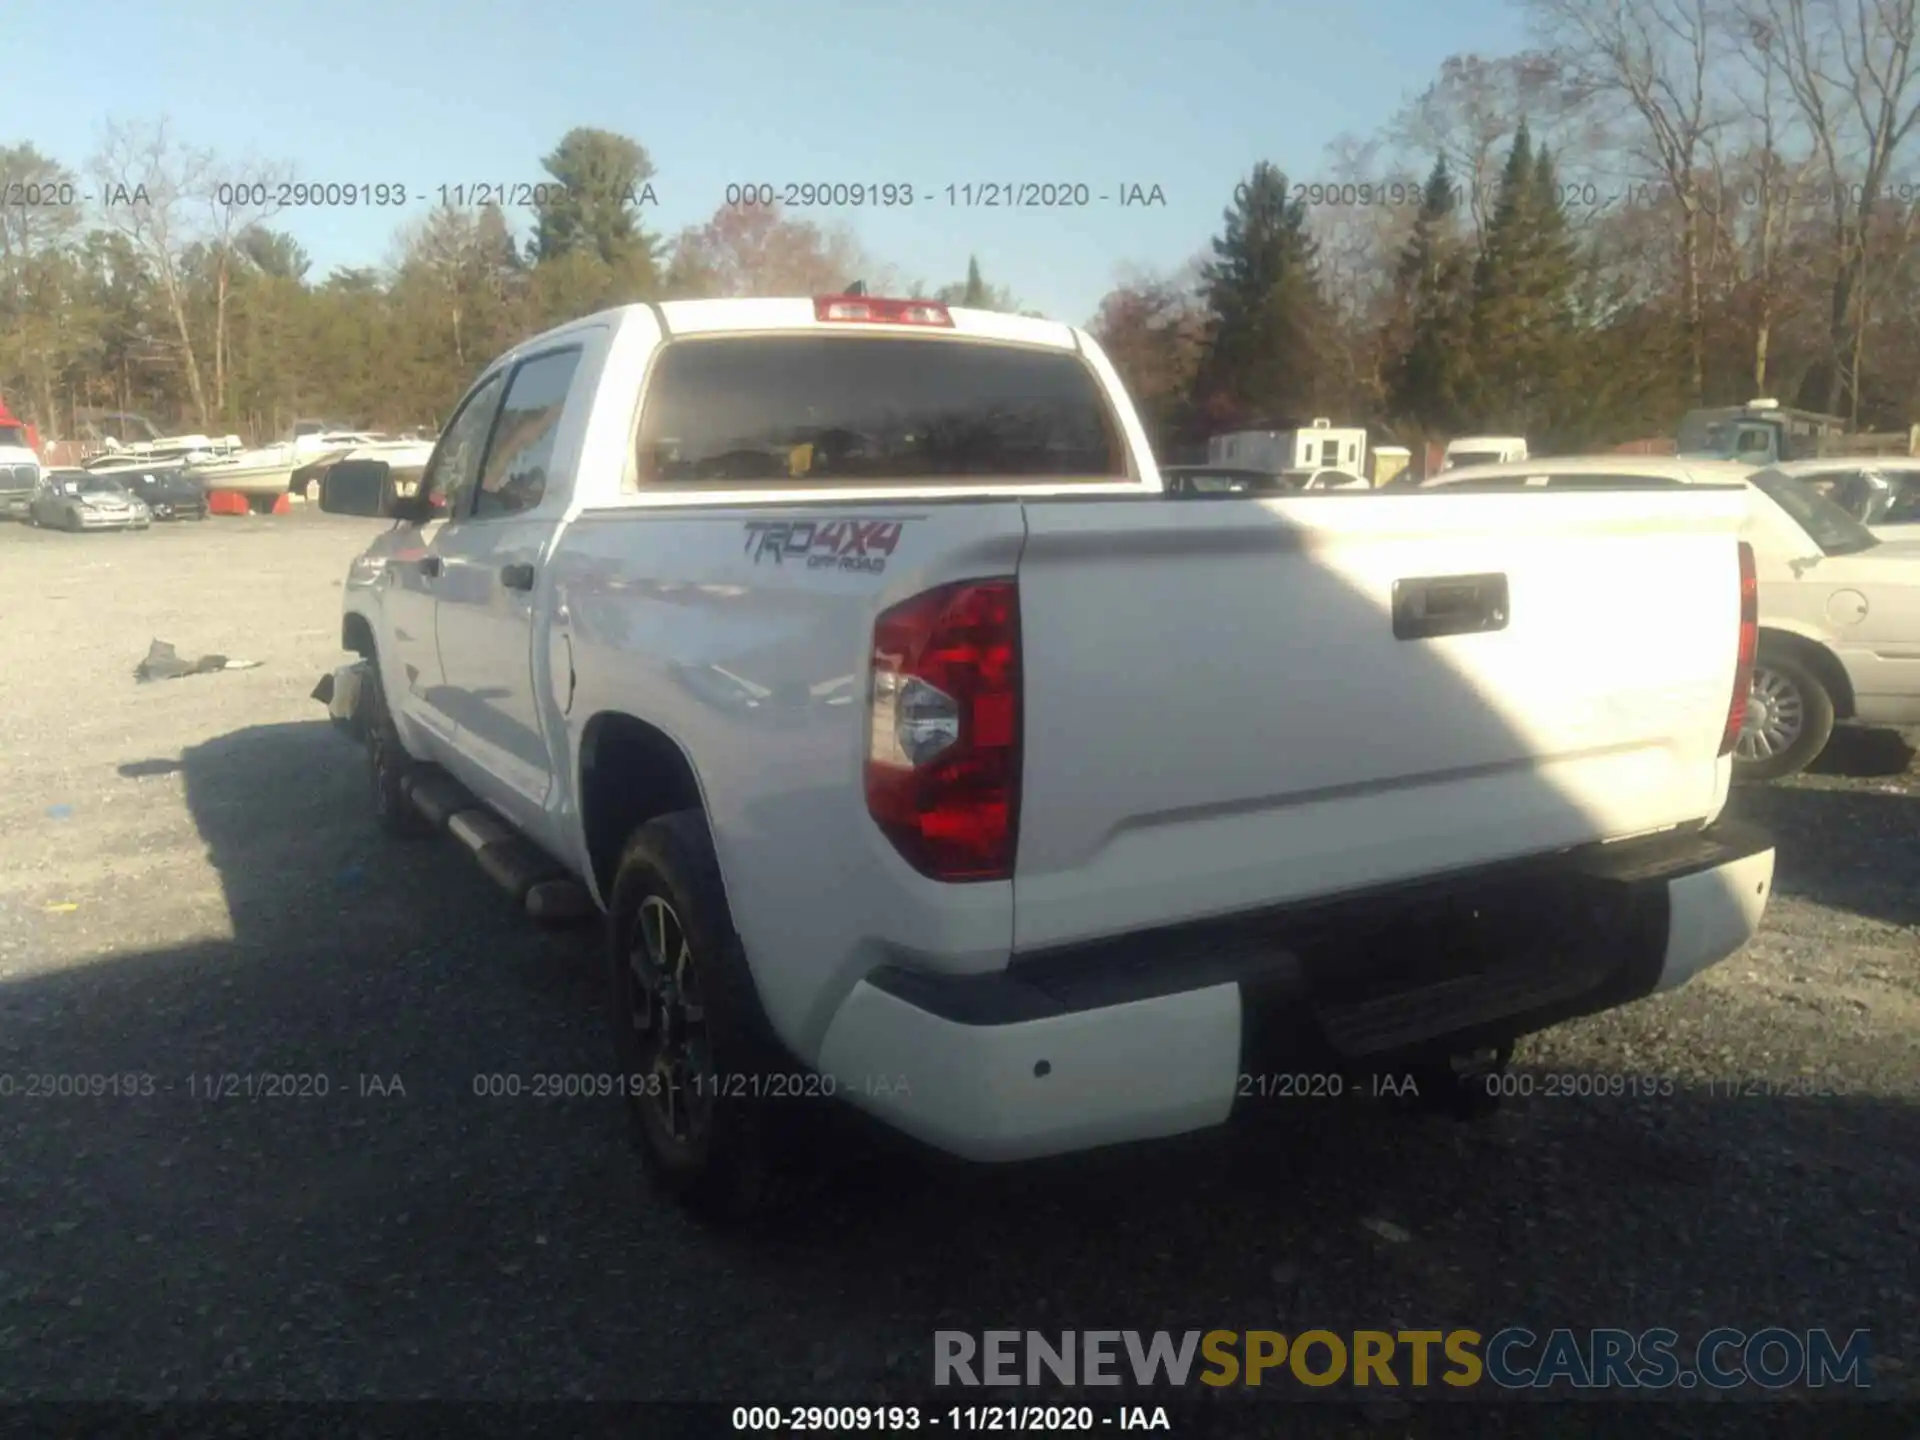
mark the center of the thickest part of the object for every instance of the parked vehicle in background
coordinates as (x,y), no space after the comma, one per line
(1592,472)
(20,468)
(406,459)
(81,500)
(1839,608)
(1322,446)
(1388,464)
(170,492)
(1764,433)
(170,451)
(1883,495)
(20,473)
(1482,450)
(264,474)
(800,630)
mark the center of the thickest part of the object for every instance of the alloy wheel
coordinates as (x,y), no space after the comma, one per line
(1776,714)
(669,1024)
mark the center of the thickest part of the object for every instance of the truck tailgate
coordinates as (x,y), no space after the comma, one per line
(1220,715)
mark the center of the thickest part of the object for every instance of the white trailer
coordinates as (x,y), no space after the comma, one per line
(1321,446)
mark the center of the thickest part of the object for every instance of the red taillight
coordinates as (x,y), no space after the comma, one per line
(860,309)
(1749,646)
(943,746)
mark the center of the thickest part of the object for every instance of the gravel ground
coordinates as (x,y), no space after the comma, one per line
(190,885)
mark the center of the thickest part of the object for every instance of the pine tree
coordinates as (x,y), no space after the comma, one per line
(1523,308)
(1553,283)
(975,295)
(1427,380)
(1265,308)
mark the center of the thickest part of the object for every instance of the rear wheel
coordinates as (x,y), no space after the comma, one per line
(388,764)
(1789,719)
(715,1108)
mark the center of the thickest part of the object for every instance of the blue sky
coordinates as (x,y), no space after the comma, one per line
(1184,94)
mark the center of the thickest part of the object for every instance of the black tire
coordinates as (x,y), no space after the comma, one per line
(1795,718)
(388,764)
(709,1097)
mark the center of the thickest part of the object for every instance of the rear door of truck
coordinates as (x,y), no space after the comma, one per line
(1252,701)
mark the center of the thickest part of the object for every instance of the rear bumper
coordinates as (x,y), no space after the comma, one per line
(1149,1035)
(14,504)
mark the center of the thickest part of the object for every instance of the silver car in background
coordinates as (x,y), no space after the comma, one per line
(81,500)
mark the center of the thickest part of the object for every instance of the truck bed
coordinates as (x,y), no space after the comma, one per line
(1221,714)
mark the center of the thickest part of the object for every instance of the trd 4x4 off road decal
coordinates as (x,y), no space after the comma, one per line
(825,544)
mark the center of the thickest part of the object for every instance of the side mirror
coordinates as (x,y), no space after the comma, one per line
(359,487)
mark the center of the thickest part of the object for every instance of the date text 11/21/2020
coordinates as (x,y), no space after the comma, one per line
(969,195)
(906,1419)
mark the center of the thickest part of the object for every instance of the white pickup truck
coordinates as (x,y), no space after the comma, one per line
(923,752)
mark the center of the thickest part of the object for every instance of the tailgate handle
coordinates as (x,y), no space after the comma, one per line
(1435,605)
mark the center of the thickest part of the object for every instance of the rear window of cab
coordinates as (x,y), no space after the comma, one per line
(873,409)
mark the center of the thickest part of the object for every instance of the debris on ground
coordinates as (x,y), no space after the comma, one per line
(141,769)
(163,662)
(1393,1234)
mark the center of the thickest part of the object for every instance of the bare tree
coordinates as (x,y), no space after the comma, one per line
(1858,112)
(148,183)
(468,258)
(1469,115)
(1656,57)
(759,251)
(1360,236)
(235,198)
(1762,197)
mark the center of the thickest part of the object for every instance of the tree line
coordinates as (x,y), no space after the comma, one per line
(1664,204)
(179,295)
(1661,204)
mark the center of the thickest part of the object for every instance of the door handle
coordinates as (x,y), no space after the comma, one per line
(430,565)
(517,577)
(1437,605)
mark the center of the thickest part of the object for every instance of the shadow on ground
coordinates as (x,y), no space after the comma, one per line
(1863,753)
(401,1235)
(1852,849)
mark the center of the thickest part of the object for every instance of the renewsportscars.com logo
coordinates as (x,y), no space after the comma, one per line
(1512,1358)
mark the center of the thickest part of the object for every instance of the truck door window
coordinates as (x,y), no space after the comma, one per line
(1329,453)
(868,409)
(456,461)
(515,476)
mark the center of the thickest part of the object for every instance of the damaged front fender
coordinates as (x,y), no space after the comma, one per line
(340,693)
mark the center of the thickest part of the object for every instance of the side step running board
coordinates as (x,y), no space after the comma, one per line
(535,879)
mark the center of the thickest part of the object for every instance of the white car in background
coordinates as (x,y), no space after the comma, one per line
(1466,450)
(1839,606)
(1883,494)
